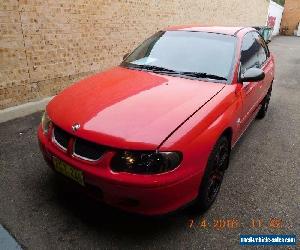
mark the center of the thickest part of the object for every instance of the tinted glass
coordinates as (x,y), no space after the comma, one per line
(262,53)
(250,48)
(185,51)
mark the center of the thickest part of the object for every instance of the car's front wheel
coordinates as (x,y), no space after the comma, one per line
(217,164)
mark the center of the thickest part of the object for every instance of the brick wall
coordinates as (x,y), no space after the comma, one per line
(291,16)
(45,45)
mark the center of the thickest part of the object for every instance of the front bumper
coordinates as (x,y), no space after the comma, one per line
(143,194)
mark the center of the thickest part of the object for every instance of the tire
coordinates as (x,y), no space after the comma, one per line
(217,164)
(265,104)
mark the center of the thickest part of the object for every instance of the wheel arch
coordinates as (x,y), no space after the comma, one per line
(228,132)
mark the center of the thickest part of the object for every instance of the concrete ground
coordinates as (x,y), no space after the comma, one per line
(261,190)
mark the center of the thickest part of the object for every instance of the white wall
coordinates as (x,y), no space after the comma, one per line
(275,10)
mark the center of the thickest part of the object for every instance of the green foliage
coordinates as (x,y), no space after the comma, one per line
(281,2)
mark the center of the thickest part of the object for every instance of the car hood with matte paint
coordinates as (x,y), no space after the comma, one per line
(131,109)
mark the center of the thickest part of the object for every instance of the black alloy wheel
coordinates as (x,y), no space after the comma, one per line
(264,105)
(217,164)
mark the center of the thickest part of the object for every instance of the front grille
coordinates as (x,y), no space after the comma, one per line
(88,150)
(83,149)
(61,137)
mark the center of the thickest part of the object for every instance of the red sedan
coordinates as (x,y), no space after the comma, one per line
(155,133)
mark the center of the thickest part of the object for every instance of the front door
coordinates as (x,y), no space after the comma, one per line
(252,55)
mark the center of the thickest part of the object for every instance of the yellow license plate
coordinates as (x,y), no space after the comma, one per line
(68,171)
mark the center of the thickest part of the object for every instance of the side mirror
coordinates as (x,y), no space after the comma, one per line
(268,41)
(253,75)
(124,57)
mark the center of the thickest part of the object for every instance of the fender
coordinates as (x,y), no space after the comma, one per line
(198,135)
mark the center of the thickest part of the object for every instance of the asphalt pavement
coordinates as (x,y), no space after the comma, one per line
(260,193)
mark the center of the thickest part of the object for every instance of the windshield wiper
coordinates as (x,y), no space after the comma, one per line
(157,69)
(154,68)
(203,75)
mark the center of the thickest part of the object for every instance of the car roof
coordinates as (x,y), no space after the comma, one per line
(213,29)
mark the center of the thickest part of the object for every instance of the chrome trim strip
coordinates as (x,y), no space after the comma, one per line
(82,157)
(56,142)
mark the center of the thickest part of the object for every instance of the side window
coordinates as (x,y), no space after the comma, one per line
(249,52)
(263,50)
(265,46)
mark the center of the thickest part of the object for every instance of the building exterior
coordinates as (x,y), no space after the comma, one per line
(274,17)
(291,17)
(47,45)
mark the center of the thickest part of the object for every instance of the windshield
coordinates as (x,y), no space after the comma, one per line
(195,54)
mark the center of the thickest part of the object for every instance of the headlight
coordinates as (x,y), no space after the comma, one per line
(45,123)
(146,162)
